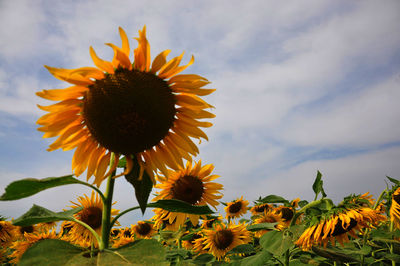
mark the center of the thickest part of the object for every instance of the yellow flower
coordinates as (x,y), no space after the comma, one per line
(338,226)
(260,208)
(144,229)
(189,244)
(7,233)
(221,239)
(209,223)
(395,208)
(125,237)
(29,239)
(141,109)
(236,208)
(269,216)
(91,214)
(192,185)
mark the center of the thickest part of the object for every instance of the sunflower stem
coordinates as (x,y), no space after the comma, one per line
(88,227)
(122,213)
(391,244)
(107,204)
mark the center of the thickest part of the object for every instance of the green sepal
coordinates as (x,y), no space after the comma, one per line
(30,186)
(173,205)
(38,214)
(142,187)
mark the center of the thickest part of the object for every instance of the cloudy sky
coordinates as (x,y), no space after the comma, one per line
(301,86)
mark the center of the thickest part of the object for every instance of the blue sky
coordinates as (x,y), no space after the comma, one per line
(301,86)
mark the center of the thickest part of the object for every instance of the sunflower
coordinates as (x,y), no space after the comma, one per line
(260,208)
(269,216)
(221,239)
(192,185)
(210,222)
(395,208)
(91,214)
(125,237)
(236,208)
(21,246)
(7,232)
(141,109)
(143,229)
(189,244)
(44,227)
(338,226)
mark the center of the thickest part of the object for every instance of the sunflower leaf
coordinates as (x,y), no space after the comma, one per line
(244,248)
(262,226)
(393,180)
(274,199)
(173,205)
(333,255)
(318,185)
(259,259)
(27,187)
(203,259)
(38,214)
(142,187)
(276,242)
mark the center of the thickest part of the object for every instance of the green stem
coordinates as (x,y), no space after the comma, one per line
(391,244)
(122,213)
(379,199)
(309,205)
(88,227)
(107,205)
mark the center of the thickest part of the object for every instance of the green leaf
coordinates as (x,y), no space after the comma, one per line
(203,259)
(318,185)
(276,242)
(58,252)
(394,181)
(244,248)
(122,162)
(260,259)
(303,203)
(30,186)
(180,206)
(393,257)
(262,226)
(274,199)
(38,214)
(55,252)
(142,187)
(333,255)
(174,253)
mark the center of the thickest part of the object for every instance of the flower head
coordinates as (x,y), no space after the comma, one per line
(236,208)
(144,229)
(144,109)
(395,208)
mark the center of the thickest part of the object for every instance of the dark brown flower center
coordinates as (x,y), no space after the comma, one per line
(188,189)
(114,232)
(194,237)
(26,229)
(127,233)
(396,198)
(129,111)
(261,208)
(235,207)
(92,216)
(287,213)
(223,239)
(143,229)
(339,228)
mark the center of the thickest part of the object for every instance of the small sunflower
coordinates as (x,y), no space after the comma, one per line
(7,232)
(21,246)
(221,239)
(269,216)
(189,244)
(395,208)
(91,214)
(260,208)
(143,109)
(192,185)
(144,229)
(210,222)
(125,237)
(236,208)
(338,226)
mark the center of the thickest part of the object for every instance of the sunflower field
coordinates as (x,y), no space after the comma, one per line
(137,120)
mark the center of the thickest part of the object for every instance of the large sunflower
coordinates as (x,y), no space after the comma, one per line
(395,208)
(221,239)
(91,214)
(338,226)
(192,185)
(141,109)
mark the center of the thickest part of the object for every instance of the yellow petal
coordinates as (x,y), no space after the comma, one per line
(159,61)
(120,58)
(125,43)
(100,63)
